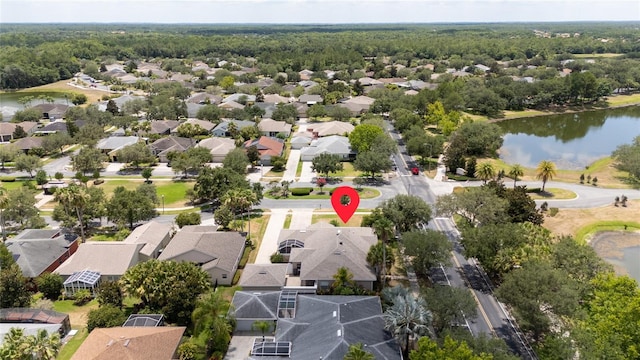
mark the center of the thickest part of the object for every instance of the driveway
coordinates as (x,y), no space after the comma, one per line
(307,172)
(292,166)
(270,239)
(240,346)
(301,219)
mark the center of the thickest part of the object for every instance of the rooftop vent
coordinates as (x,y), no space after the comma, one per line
(126,342)
(262,272)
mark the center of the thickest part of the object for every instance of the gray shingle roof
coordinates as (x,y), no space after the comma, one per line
(36,250)
(204,245)
(328,249)
(247,305)
(325,327)
(263,275)
(150,234)
(107,258)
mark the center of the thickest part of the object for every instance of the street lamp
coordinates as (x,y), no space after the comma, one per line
(162,204)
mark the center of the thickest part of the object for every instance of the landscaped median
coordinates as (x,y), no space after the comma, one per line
(312,193)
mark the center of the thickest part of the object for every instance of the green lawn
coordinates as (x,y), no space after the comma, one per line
(612,225)
(299,169)
(174,192)
(66,306)
(13,185)
(354,221)
(552,193)
(287,221)
(72,346)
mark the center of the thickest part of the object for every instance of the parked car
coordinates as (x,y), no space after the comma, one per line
(415,171)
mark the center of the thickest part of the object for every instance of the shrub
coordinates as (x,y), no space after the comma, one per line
(8,179)
(553,211)
(277,258)
(335,223)
(98,181)
(109,293)
(104,317)
(29,185)
(301,191)
(82,297)
(50,285)
(278,163)
(41,177)
(58,175)
(188,218)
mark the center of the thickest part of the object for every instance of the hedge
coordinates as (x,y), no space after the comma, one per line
(301,191)
(8,179)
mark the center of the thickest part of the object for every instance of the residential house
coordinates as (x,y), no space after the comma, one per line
(267,107)
(218,146)
(52,111)
(163,146)
(222,129)
(192,109)
(330,128)
(28,143)
(310,99)
(162,127)
(358,105)
(251,306)
(52,128)
(367,81)
(38,251)
(300,140)
(203,98)
(119,101)
(334,144)
(33,320)
(154,235)
(7,129)
(317,253)
(240,98)
(206,125)
(218,253)
(125,343)
(310,326)
(98,261)
(264,277)
(231,105)
(268,147)
(307,84)
(112,144)
(305,74)
(276,99)
(272,128)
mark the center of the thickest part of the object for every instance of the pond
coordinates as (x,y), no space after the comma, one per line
(621,249)
(571,141)
(9,101)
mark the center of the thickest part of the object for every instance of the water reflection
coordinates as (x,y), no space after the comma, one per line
(572,141)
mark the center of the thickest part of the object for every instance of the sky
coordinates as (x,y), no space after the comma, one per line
(315,11)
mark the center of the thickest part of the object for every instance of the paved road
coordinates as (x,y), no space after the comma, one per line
(492,318)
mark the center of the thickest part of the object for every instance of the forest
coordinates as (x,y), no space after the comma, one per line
(525,65)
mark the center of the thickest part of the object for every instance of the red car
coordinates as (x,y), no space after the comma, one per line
(415,171)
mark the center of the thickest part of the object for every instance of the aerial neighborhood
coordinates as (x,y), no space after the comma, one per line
(170,195)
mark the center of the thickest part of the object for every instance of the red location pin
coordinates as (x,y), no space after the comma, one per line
(345,201)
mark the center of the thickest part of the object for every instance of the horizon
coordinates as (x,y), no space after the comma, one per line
(315,12)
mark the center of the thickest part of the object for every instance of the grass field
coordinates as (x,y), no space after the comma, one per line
(258,227)
(174,192)
(72,346)
(553,194)
(366,193)
(604,169)
(93,95)
(354,221)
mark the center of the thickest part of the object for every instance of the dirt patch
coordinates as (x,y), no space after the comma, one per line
(569,221)
(609,244)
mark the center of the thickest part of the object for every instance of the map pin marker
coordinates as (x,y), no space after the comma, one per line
(345,201)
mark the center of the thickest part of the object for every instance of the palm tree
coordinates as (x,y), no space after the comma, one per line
(43,346)
(545,171)
(74,198)
(240,201)
(210,322)
(407,318)
(384,228)
(515,171)
(356,352)
(485,171)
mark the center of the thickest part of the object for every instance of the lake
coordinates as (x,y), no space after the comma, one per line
(620,249)
(9,101)
(571,141)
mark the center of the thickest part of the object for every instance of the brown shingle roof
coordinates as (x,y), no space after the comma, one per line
(266,146)
(128,343)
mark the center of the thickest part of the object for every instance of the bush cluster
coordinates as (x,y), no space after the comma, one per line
(301,191)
